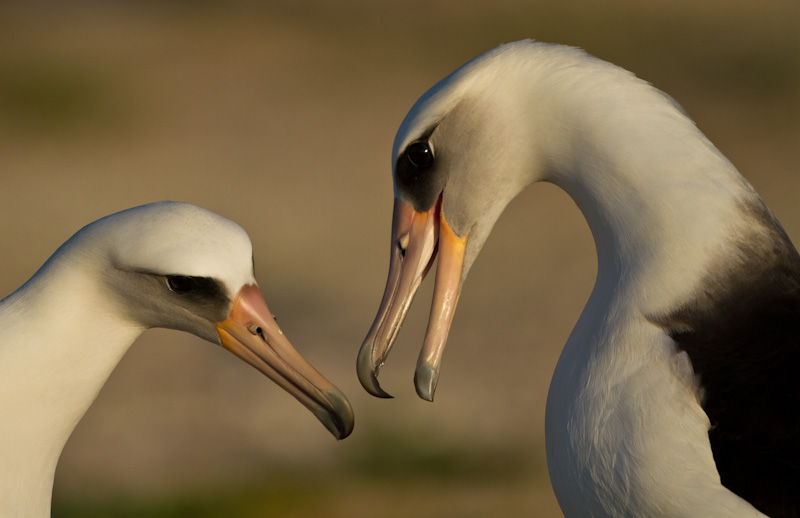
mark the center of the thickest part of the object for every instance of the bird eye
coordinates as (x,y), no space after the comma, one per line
(420,154)
(182,284)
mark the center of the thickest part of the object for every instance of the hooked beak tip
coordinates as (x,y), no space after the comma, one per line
(425,379)
(367,373)
(339,419)
(251,333)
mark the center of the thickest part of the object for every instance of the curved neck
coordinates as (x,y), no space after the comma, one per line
(665,208)
(657,195)
(58,346)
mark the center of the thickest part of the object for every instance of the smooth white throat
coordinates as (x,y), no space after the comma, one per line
(56,352)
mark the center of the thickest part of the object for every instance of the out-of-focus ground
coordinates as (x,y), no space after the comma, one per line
(281,115)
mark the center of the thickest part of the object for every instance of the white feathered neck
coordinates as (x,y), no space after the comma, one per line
(64,331)
(57,351)
(624,418)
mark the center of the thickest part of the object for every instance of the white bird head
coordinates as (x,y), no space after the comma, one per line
(466,148)
(179,266)
(460,156)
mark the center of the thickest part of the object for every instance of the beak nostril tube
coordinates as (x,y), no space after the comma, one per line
(257,330)
(402,244)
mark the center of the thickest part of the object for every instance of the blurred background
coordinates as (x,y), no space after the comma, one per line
(280,115)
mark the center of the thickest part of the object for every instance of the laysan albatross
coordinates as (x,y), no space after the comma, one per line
(676,392)
(168,264)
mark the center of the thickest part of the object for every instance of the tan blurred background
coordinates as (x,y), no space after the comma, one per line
(281,115)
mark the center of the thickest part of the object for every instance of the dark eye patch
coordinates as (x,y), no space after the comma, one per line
(417,173)
(183,284)
(203,296)
(420,154)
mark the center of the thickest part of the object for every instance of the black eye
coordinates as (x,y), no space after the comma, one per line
(181,284)
(420,154)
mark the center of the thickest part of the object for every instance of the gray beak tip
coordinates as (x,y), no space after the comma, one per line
(338,419)
(373,387)
(367,374)
(425,379)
